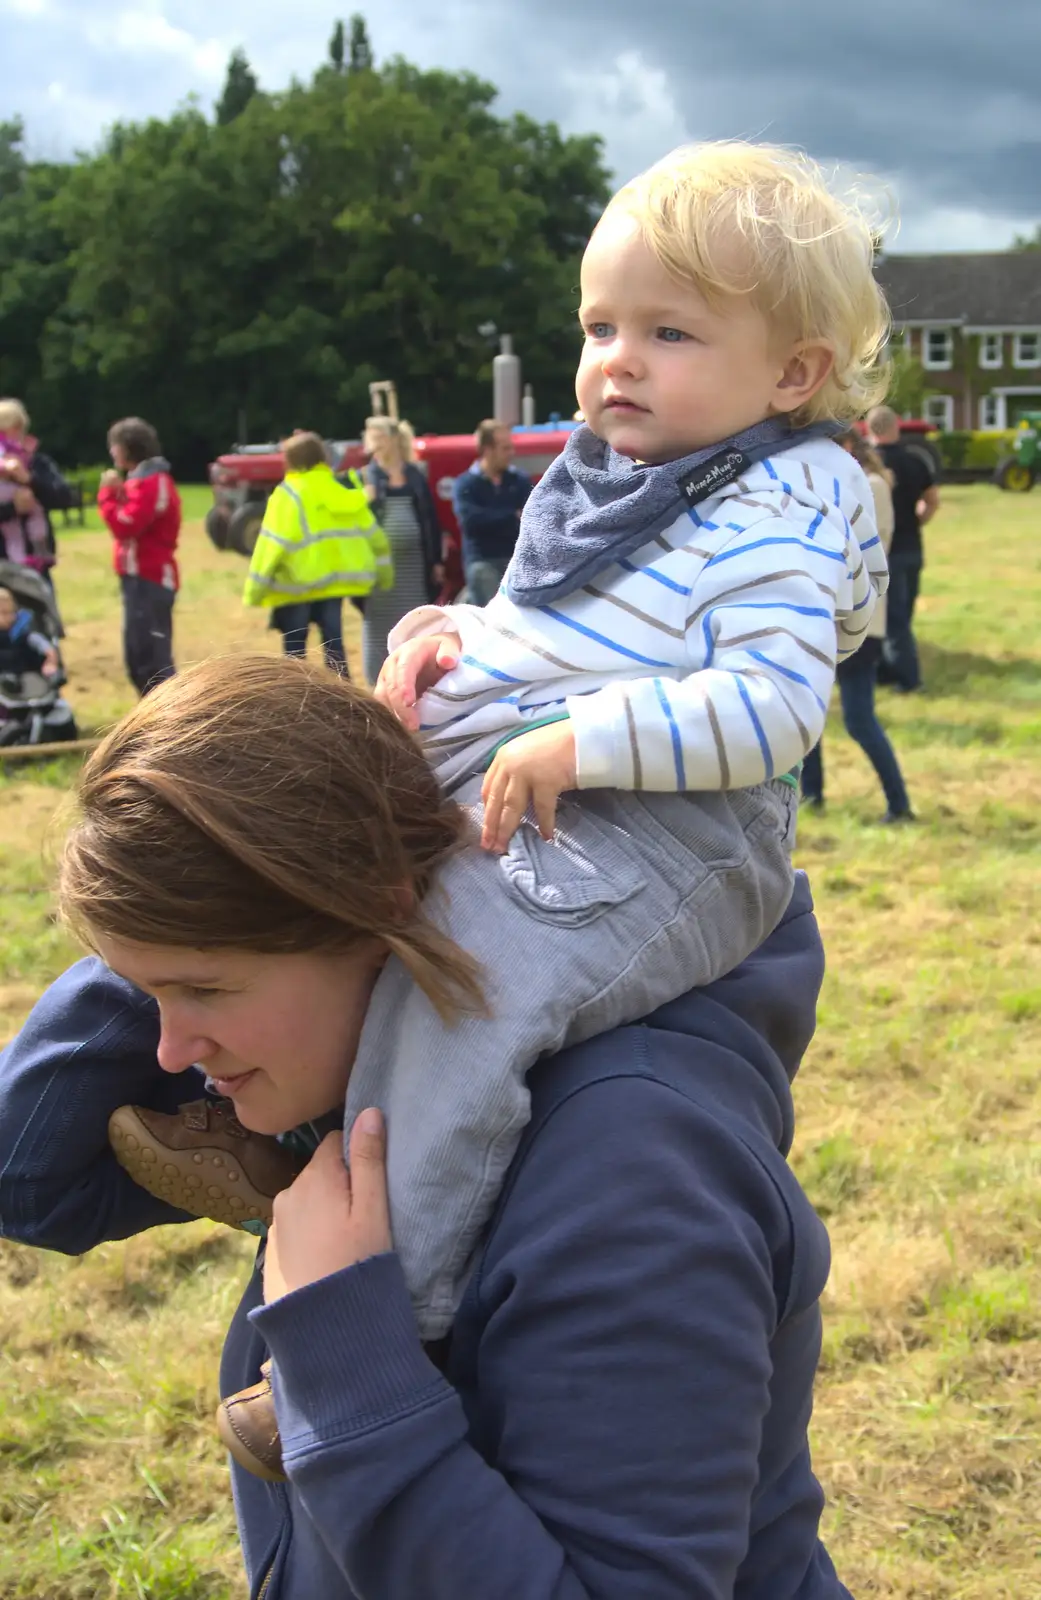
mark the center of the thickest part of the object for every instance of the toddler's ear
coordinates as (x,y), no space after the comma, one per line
(805,371)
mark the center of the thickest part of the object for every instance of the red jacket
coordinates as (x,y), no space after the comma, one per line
(144,515)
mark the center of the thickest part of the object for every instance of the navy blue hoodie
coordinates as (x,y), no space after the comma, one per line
(621,1408)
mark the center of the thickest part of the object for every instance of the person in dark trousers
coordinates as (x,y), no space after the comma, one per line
(489,499)
(916,500)
(621,1406)
(856,674)
(139,501)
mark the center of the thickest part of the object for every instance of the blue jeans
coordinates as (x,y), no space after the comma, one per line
(856,680)
(901,652)
(483,579)
(293,622)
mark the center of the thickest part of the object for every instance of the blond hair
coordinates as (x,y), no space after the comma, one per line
(261,804)
(13,415)
(302,451)
(400,433)
(759,220)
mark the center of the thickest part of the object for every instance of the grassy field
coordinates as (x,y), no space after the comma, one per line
(918,1140)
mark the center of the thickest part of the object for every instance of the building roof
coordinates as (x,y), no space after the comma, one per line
(982,289)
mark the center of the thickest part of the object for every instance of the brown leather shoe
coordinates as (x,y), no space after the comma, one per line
(248,1428)
(202,1160)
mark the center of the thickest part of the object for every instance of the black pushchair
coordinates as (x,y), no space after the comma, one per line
(32,708)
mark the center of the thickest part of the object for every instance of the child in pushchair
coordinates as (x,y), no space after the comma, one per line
(32,710)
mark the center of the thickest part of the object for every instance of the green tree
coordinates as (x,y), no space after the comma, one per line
(240,86)
(337,47)
(1030,241)
(279,261)
(361,58)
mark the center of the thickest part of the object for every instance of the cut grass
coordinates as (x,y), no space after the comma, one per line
(919,1139)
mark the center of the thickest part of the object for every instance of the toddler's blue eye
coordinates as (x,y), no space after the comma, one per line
(599,330)
(671,335)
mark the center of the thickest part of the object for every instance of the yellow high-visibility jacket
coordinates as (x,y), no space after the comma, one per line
(319,539)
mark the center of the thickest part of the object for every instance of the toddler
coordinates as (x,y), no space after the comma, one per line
(687,574)
(25,534)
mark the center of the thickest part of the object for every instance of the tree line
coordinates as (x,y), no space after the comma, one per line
(262,266)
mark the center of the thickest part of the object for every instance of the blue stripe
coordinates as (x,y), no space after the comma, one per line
(862,603)
(815,524)
(787,672)
(677,744)
(838,491)
(768,464)
(471,661)
(598,638)
(693,515)
(659,577)
(706,634)
(768,760)
(815,549)
(871,543)
(780,605)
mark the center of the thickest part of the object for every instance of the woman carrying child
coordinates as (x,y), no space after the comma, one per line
(569,1194)
(620,1407)
(31,487)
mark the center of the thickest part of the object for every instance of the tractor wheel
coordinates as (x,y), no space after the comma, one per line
(217,519)
(244,527)
(1014,476)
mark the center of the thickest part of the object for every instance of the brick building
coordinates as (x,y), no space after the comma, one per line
(974,322)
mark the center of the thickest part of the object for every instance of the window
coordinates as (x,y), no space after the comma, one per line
(937,349)
(991,411)
(1026,350)
(939,410)
(991,349)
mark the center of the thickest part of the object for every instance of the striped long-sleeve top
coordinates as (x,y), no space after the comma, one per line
(703,661)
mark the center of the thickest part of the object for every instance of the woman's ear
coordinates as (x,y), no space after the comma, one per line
(805,372)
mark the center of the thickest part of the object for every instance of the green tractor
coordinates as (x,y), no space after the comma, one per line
(1019,471)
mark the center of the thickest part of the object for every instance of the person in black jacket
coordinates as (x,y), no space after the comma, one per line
(916,500)
(35,472)
(404,505)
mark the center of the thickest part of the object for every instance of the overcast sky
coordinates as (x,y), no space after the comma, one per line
(940,100)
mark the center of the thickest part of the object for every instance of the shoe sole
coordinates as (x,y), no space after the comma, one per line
(196,1181)
(240,1451)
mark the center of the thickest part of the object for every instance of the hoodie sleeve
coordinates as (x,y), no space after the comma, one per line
(88,1046)
(770,614)
(130,508)
(280,529)
(625,1369)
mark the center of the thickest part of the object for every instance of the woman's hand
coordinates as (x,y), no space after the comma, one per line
(331,1218)
(110,479)
(412,669)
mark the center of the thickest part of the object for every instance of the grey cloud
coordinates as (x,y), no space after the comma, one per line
(939,97)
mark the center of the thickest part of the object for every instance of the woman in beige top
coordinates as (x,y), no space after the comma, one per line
(857,674)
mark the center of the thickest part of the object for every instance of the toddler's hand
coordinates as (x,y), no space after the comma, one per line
(412,669)
(534,769)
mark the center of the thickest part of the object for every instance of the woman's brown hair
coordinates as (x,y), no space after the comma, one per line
(137,437)
(257,803)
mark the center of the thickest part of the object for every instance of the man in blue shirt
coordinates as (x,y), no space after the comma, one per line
(489,499)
